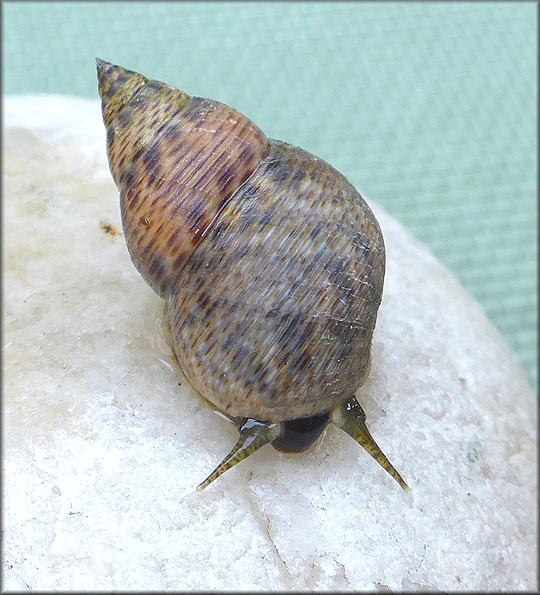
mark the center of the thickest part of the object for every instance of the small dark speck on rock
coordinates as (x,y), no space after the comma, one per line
(109,229)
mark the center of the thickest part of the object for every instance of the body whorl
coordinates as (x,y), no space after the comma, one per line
(274,312)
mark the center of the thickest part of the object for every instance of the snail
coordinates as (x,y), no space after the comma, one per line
(270,262)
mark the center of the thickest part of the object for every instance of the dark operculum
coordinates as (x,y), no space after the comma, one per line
(299,434)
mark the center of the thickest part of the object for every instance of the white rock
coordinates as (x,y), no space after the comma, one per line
(103,449)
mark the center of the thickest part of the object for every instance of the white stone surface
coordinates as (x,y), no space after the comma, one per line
(103,449)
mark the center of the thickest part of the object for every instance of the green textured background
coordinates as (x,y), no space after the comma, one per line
(428,108)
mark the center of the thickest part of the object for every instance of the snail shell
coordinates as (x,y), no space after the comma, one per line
(271,263)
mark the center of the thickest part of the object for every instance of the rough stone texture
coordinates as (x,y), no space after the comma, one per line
(103,448)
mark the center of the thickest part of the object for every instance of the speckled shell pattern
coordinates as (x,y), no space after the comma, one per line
(271,262)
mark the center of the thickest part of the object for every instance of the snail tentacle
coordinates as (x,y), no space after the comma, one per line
(350,417)
(253,435)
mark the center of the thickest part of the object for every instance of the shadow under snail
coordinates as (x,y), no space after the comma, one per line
(271,263)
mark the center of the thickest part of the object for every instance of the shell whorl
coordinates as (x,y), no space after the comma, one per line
(176,161)
(275,311)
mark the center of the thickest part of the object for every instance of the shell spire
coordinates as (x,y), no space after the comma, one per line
(116,87)
(176,160)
